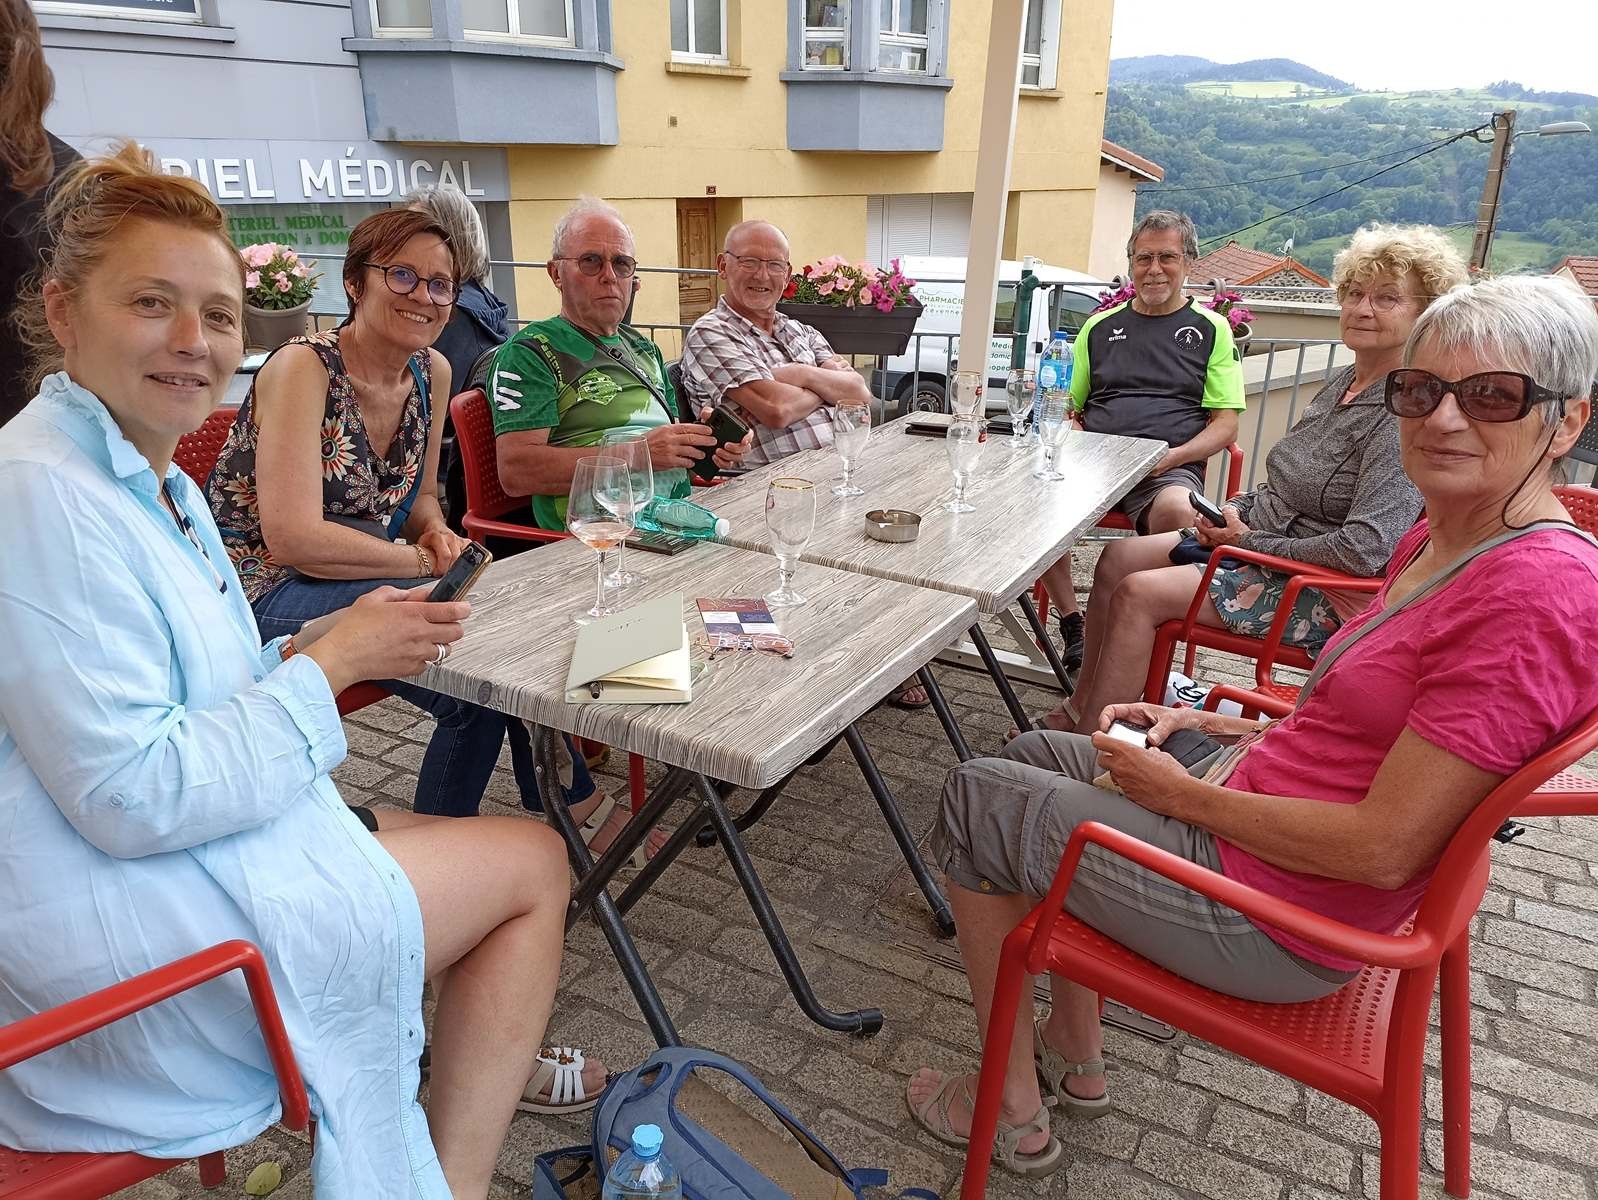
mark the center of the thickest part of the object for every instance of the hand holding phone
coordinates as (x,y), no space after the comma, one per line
(1205,507)
(463,572)
(729,430)
(1125,731)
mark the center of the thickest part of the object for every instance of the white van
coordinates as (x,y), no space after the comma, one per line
(918,378)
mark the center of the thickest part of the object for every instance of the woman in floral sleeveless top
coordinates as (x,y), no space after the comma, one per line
(312,531)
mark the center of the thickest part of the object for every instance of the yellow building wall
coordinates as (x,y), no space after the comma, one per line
(685,133)
(1113,211)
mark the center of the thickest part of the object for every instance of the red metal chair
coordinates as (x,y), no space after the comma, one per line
(55,1176)
(1364,1044)
(196,455)
(486,505)
(1115,520)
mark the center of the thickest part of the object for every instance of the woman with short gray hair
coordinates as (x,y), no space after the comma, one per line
(477,325)
(1473,659)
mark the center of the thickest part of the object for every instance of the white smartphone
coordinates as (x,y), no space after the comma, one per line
(1123,731)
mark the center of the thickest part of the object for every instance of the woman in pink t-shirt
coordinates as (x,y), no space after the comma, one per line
(1427,700)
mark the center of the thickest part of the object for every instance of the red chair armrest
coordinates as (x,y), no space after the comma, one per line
(1271,706)
(44,1031)
(481,527)
(1234,470)
(1403,952)
(1284,609)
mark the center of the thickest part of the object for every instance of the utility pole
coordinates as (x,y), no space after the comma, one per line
(1503,125)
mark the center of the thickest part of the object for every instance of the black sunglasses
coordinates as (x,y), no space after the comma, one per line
(592,264)
(402,281)
(1493,396)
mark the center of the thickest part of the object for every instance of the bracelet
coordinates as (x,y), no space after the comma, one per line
(424,561)
(288,649)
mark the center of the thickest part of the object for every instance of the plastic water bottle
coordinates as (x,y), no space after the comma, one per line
(1054,370)
(682,518)
(643,1170)
(1182,692)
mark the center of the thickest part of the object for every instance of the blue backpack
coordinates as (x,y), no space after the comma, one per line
(721,1149)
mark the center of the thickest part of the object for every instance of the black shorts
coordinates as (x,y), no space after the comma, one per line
(365,816)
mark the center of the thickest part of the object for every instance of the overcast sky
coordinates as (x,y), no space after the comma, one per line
(1395,45)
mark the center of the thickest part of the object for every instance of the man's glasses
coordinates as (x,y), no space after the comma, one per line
(1494,396)
(1381,302)
(771,266)
(402,281)
(1169,259)
(592,264)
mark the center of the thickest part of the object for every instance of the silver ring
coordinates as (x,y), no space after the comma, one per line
(443,653)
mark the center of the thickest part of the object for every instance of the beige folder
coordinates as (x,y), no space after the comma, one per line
(636,656)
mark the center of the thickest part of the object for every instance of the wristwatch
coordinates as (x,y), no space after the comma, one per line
(288,649)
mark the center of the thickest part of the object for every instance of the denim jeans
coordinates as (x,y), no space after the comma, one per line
(465,744)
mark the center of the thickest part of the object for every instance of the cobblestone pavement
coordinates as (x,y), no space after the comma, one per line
(1189,1121)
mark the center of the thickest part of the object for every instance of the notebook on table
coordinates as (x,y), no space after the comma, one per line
(636,656)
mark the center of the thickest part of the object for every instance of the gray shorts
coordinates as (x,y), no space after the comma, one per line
(1135,504)
(1004,825)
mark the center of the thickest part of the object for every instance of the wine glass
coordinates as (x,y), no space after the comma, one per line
(790,520)
(1020,386)
(964,443)
(851,428)
(599,512)
(1054,424)
(632,447)
(965,398)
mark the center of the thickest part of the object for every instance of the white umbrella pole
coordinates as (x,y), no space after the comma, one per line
(995,148)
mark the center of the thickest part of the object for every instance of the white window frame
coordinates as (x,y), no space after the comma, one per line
(826,33)
(893,37)
(121,14)
(694,56)
(1047,60)
(513,18)
(401,31)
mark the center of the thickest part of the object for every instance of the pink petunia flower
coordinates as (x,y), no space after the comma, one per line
(885,304)
(252,279)
(299,271)
(826,287)
(865,295)
(283,283)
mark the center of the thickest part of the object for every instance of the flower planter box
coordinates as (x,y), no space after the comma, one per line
(861,330)
(269,328)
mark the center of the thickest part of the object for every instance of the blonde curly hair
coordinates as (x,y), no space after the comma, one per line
(1399,251)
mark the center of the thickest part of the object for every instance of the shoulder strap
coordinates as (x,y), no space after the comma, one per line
(1324,663)
(396,522)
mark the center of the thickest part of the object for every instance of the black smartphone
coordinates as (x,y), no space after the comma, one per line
(658,543)
(462,573)
(919,428)
(728,429)
(1205,507)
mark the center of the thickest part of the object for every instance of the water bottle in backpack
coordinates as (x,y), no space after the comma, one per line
(643,1170)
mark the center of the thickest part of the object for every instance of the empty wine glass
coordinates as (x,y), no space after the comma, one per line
(965,395)
(1020,386)
(1054,424)
(599,513)
(851,428)
(964,443)
(632,447)
(790,520)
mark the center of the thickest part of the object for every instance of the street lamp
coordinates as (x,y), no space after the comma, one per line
(1504,136)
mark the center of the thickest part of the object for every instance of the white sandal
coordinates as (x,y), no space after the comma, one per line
(1054,1068)
(933,1116)
(595,821)
(560,1072)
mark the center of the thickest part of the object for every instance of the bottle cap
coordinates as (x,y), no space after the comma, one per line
(646,1140)
(722,527)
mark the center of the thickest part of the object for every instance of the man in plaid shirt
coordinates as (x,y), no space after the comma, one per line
(776,373)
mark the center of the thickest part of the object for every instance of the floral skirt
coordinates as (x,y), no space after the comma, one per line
(1247,597)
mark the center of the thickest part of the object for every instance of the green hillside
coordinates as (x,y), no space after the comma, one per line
(1238,162)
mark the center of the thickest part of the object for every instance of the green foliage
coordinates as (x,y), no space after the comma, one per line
(1230,146)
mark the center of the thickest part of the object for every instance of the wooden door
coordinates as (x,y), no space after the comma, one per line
(696,247)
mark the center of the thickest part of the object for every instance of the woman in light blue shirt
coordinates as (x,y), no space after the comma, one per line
(163,776)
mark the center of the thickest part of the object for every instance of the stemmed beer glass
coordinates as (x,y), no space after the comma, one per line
(599,513)
(964,443)
(632,447)
(1020,387)
(790,520)
(851,429)
(1054,425)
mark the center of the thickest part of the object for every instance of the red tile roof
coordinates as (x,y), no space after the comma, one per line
(1239,265)
(1133,164)
(1584,268)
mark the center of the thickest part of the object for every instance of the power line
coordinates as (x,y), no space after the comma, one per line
(1210,187)
(1365,179)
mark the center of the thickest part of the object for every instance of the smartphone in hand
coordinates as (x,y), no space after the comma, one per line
(1125,731)
(462,573)
(1205,507)
(728,430)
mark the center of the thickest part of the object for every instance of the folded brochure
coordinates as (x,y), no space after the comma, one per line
(736,615)
(636,656)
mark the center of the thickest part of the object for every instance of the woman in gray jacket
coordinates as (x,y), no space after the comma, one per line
(1335,493)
